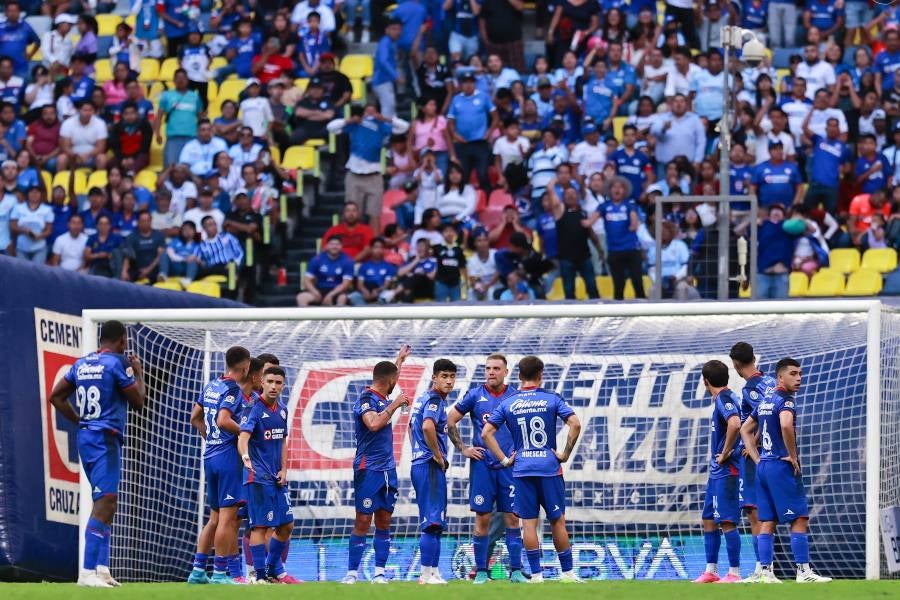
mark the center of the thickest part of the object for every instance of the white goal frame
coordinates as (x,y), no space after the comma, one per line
(91,318)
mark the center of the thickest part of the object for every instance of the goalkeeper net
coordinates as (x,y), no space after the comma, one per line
(636,480)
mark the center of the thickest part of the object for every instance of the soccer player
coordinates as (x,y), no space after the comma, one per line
(428,436)
(531,416)
(105,384)
(214,416)
(375,486)
(264,454)
(489,481)
(758,386)
(721,509)
(780,493)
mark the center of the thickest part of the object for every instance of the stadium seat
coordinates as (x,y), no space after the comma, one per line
(301,83)
(315,142)
(149,70)
(167,70)
(618,126)
(156,90)
(212,91)
(556,290)
(103,70)
(218,279)
(359,90)
(169,284)
(106,24)
(864,282)
(146,179)
(844,260)
(131,20)
(301,157)
(217,63)
(231,90)
(47,179)
(62,179)
(882,260)
(275,151)
(357,66)
(205,288)
(97,179)
(605,286)
(826,283)
(798,284)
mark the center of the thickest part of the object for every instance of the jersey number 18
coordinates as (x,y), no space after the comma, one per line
(533,433)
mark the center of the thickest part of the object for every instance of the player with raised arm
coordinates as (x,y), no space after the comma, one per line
(375,485)
(531,416)
(214,415)
(428,436)
(780,492)
(489,481)
(758,386)
(263,451)
(105,384)
(722,508)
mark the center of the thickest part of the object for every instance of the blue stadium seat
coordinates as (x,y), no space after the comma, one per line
(781,58)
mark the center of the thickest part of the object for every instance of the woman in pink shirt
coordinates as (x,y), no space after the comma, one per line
(115,88)
(429,130)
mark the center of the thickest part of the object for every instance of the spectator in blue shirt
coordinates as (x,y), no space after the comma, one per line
(11,85)
(622,78)
(598,95)
(776,181)
(82,83)
(13,133)
(385,70)
(872,168)
(239,52)
(328,277)
(417,275)
(830,159)
(754,14)
(887,62)
(775,253)
(181,256)
(15,37)
(824,15)
(470,119)
(177,17)
(621,222)
(375,276)
(411,15)
(631,163)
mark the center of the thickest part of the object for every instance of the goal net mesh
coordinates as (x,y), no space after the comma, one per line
(636,480)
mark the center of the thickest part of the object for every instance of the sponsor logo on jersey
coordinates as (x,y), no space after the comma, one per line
(729,406)
(129,372)
(432,406)
(789,404)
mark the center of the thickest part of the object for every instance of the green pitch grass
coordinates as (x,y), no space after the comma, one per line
(458,590)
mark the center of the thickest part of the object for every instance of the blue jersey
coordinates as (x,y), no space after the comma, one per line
(725,406)
(618,78)
(546,225)
(374,449)
(776,184)
(768,416)
(99,379)
(221,393)
(632,167)
(479,403)
(268,429)
(617,223)
(877,180)
(330,272)
(823,15)
(531,416)
(759,386)
(886,63)
(375,274)
(827,159)
(754,14)
(428,406)
(598,97)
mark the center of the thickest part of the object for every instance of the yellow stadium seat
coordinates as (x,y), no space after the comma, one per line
(301,83)
(605,286)
(798,284)
(218,62)
(844,260)
(97,179)
(618,126)
(826,283)
(169,284)
(629,289)
(276,154)
(149,70)
(214,111)
(146,179)
(212,91)
(864,282)
(156,90)
(218,279)
(167,69)
(107,23)
(556,290)
(205,288)
(131,20)
(300,157)
(38,56)
(231,90)
(359,90)
(315,142)
(882,260)
(103,70)
(62,179)
(742,293)
(357,66)
(156,157)
(47,178)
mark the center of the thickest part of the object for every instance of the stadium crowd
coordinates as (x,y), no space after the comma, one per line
(161,147)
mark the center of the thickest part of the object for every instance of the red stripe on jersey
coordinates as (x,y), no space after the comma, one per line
(733,470)
(362,463)
(383,397)
(528,388)
(498,394)
(250,477)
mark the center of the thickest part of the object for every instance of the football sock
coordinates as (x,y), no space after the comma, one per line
(357,547)
(480,545)
(565,560)
(514,547)
(382,544)
(733,547)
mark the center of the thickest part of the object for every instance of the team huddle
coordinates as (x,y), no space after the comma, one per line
(515,465)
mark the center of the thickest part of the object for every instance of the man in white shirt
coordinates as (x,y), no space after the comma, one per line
(822,112)
(246,151)
(510,148)
(327,21)
(83,139)
(796,107)
(182,189)
(654,75)
(817,73)
(68,249)
(256,112)
(772,128)
(589,156)
(200,152)
(204,209)
(679,79)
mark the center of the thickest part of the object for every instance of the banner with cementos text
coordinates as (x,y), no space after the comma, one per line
(40,326)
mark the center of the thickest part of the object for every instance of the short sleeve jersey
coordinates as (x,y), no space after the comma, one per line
(221,393)
(428,406)
(726,405)
(99,379)
(479,403)
(267,426)
(374,449)
(531,416)
(768,415)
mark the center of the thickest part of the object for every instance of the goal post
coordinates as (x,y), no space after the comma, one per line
(631,371)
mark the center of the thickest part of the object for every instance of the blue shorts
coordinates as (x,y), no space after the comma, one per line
(779,493)
(532,493)
(224,480)
(268,505)
(747,490)
(487,486)
(722,504)
(375,490)
(430,483)
(101,455)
